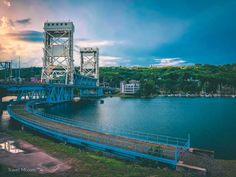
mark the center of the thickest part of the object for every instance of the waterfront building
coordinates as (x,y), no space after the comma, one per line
(129,88)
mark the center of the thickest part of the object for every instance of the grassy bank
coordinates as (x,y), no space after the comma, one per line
(88,163)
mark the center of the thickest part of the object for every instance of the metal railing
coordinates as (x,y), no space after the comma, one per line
(171,154)
(147,137)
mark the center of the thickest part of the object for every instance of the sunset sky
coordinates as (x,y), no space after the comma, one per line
(127,32)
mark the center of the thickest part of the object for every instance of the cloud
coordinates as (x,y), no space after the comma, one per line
(105,60)
(103,57)
(1,48)
(24,21)
(169,62)
(97,43)
(6,25)
(31,36)
(15,43)
(7,3)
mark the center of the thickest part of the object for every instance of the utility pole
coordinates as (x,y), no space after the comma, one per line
(10,71)
(19,78)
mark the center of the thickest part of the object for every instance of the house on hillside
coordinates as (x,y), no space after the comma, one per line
(130,87)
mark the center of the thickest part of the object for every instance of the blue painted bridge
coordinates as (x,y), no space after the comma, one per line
(54,93)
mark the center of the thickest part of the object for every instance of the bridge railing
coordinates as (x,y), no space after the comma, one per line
(148,137)
(170,155)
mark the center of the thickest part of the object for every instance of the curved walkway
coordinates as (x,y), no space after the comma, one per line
(130,147)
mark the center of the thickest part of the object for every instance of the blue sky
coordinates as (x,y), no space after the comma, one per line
(127,32)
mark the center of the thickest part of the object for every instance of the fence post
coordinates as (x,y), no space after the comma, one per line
(176,154)
(188,140)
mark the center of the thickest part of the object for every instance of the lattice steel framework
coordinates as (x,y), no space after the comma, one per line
(6,66)
(31,95)
(52,93)
(58,62)
(89,62)
(58,94)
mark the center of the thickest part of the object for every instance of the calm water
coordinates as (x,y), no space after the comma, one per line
(211,122)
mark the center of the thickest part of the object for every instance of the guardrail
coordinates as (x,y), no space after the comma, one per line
(150,150)
(147,137)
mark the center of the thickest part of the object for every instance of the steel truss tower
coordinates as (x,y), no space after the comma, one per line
(89,63)
(7,67)
(58,62)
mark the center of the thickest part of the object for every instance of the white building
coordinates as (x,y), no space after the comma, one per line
(129,88)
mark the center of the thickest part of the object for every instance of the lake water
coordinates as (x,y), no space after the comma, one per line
(211,122)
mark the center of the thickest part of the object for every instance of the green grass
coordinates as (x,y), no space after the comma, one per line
(88,163)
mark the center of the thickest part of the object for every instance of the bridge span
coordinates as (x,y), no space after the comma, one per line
(55,92)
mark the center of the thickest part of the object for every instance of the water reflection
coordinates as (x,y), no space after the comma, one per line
(5,119)
(10,147)
(210,122)
(8,98)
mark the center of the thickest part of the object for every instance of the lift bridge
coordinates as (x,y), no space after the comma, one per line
(58,83)
(58,78)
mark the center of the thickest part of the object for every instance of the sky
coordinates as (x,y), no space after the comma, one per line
(127,32)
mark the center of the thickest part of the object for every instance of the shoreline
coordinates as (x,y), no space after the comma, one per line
(174,95)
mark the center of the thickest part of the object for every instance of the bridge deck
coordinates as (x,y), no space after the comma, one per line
(157,150)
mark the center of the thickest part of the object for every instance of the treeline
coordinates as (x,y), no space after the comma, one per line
(25,73)
(194,79)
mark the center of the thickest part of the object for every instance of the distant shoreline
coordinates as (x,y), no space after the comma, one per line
(178,95)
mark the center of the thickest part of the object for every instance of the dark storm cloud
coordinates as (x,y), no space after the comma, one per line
(31,36)
(25,21)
